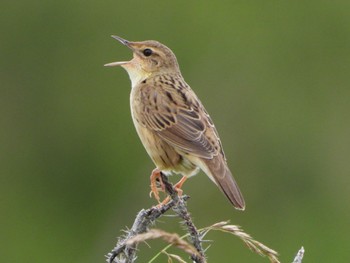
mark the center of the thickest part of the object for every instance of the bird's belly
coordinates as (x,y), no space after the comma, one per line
(164,156)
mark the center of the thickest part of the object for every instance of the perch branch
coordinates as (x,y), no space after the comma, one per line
(126,247)
(125,252)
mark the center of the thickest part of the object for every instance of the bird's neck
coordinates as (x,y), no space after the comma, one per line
(136,74)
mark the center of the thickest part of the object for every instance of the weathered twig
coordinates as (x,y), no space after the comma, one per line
(181,210)
(125,252)
(126,248)
(299,257)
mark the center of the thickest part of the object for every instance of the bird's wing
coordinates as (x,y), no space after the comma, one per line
(179,118)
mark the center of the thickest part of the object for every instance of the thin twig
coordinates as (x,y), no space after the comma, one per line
(181,210)
(299,257)
(144,219)
(125,252)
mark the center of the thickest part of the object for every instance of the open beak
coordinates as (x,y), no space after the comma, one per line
(121,40)
(120,63)
(113,64)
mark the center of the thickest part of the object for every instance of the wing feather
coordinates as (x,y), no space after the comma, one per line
(178,117)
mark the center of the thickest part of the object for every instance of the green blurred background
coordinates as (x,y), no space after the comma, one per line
(274,76)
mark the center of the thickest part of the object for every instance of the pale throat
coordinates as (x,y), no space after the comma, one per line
(136,74)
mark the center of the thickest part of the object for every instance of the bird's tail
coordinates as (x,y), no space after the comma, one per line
(218,171)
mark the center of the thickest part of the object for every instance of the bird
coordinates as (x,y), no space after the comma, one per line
(172,123)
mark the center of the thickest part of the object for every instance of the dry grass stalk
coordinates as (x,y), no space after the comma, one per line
(173,256)
(252,244)
(172,239)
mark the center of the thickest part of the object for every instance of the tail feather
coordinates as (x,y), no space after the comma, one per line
(218,171)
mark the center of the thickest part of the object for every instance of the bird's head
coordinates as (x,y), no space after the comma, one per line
(149,58)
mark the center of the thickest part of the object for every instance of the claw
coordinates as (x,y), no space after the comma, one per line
(154,189)
(156,178)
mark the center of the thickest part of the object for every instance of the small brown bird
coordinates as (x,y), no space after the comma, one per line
(172,123)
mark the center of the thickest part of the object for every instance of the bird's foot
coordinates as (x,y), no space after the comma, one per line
(156,179)
(177,188)
(157,185)
(179,184)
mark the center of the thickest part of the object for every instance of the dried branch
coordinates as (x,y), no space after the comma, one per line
(181,210)
(299,257)
(125,250)
(143,220)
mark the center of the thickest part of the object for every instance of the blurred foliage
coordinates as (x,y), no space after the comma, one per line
(273,74)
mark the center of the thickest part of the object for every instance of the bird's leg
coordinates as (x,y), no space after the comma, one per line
(179,184)
(156,176)
(177,188)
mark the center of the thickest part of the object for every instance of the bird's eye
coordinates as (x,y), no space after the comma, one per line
(147,52)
